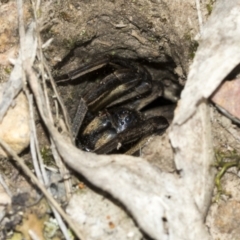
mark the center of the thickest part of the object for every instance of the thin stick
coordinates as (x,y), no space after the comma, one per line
(56,155)
(32,140)
(38,162)
(64,111)
(2,182)
(199,13)
(22,62)
(62,167)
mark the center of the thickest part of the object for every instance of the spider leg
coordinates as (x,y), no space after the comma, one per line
(155,124)
(140,103)
(167,111)
(78,118)
(84,69)
(172,90)
(118,84)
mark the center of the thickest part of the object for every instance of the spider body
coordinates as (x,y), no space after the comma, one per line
(115,105)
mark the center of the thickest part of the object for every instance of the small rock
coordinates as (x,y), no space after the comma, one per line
(227,97)
(14,128)
(227,219)
(98,218)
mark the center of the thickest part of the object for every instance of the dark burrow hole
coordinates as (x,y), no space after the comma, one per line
(73,90)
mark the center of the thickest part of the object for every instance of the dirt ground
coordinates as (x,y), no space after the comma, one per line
(159,32)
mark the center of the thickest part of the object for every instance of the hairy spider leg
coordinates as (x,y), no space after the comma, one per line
(95,65)
(130,135)
(114,86)
(143,100)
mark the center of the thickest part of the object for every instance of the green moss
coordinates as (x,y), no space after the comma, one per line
(152,39)
(8,70)
(47,156)
(39,13)
(224,161)
(187,36)
(192,46)
(209,6)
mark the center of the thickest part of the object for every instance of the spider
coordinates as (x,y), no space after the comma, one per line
(109,115)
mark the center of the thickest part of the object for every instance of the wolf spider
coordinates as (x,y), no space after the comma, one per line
(109,115)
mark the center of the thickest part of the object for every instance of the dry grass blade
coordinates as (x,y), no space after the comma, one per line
(44,67)
(199,13)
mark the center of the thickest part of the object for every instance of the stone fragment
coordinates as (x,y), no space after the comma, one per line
(14,129)
(227,98)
